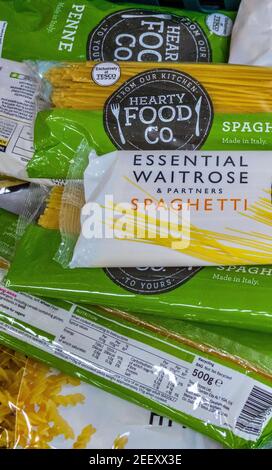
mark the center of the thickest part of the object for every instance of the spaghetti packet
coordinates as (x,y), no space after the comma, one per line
(184,171)
(236,296)
(156,107)
(102,30)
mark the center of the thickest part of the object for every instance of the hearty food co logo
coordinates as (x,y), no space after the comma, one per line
(144,35)
(159,109)
(147,280)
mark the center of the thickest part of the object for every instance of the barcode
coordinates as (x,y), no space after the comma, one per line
(255,412)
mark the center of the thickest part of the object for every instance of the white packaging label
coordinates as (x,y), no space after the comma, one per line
(106,74)
(3,27)
(115,419)
(33,311)
(220,24)
(219,195)
(191,384)
(19,103)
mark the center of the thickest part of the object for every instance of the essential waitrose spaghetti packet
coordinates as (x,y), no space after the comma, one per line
(103,30)
(22,95)
(129,217)
(187,170)
(57,411)
(237,296)
(220,395)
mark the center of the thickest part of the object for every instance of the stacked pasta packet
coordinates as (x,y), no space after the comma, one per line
(152,152)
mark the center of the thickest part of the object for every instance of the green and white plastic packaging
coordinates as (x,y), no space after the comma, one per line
(204,377)
(157,368)
(90,417)
(237,296)
(102,30)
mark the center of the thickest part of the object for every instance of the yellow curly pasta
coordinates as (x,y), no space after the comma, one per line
(12,367)
(67,400)
(84,437)
(120,442)
(39,415)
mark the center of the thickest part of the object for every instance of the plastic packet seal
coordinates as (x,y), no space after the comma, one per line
(14,197)
(24,207)
(72,201)
(41,68)
(34,205)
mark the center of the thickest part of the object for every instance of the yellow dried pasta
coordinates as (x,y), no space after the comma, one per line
(84,437)
(53,206)
(39,416)
(232,87)
(120,442)
(12,367)
(66,400)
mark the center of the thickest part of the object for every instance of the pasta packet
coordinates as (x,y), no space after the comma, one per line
(39,337)
(251,37)
(224,395)
(60,412)
(188,178)
(12,367)
(159,107)
(103,30)
(237,296)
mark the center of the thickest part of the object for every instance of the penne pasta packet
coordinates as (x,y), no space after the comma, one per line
(104,30)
